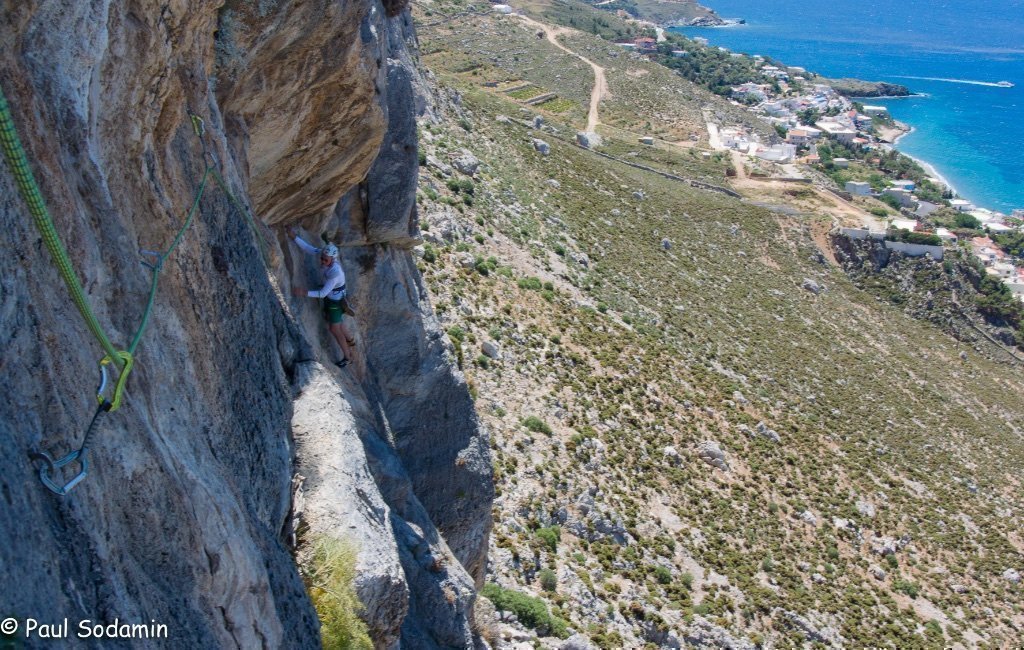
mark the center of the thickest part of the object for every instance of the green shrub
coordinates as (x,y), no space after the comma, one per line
(909,588)
(535,424)
(530,284)
(548,580)
(457,334)
(662,575)
(687,580)
(429,254)
(329,580)
(531,612)
(549,536)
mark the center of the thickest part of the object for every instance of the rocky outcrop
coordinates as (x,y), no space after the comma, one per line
(859,88)
(947,294)
(186,514)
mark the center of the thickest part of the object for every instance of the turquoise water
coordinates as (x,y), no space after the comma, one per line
(972,134)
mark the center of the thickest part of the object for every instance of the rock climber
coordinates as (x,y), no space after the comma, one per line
(332,292)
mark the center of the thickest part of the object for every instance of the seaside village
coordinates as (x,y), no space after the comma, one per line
(790,101)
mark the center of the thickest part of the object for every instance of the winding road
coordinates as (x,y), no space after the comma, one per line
(600,90)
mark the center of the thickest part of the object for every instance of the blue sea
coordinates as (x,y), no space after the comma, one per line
(973,134)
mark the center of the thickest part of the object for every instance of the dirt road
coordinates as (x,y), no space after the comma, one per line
(600,90)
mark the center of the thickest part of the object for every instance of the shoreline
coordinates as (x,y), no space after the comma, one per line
(934,173)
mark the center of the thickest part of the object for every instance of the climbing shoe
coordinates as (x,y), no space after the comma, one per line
(342,363)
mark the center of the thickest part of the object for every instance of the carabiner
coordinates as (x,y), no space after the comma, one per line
(50,465)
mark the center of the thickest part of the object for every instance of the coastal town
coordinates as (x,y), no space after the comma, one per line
(817,131)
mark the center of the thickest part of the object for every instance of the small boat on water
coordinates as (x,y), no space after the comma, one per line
(1004,84)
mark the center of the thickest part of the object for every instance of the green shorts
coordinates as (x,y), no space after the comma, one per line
(333,311)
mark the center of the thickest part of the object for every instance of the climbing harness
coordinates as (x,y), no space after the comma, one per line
(122,360)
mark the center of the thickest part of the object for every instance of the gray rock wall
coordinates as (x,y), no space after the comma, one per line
(185,515)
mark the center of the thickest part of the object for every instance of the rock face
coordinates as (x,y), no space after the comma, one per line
(186,513)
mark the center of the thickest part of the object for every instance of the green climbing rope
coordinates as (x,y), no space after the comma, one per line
(124,360)
(18,163)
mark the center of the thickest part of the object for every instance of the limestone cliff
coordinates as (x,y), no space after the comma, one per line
(187,513)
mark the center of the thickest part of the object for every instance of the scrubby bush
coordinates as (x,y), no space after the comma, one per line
(548,580)
(531,612)
(535,424)
(329,580)
(549,536)
(530,284)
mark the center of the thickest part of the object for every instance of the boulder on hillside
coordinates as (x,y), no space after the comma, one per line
(543,147)
(588,139)
(711,453)
(812,286)
(577,642)
(491,349)
(466,163)
(443,168)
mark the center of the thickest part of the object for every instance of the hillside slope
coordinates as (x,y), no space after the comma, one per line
(705,434)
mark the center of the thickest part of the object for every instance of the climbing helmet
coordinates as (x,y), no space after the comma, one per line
(330,250)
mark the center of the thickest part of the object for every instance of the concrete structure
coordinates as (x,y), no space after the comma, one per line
(779,153)
(876,111)
(502,9)
(904,185)
(961,205)
(905,198)
(646,44)
(648,140)
(858,188)
(837,130)
(986,251)
(803,135)
(904,224)
(752,90)
(998,228)
(916,250)
(841,163)
(1003,270)
(946,236)
(680,53)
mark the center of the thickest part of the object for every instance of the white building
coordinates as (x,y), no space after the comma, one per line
(802,136)
(841,163)
(945,235)
(753,90)
(858,188)
(904,224)
(779,153)
(961,205)
(905,198)
(876,111)
(1002,270)
(904,185)
(838,131)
